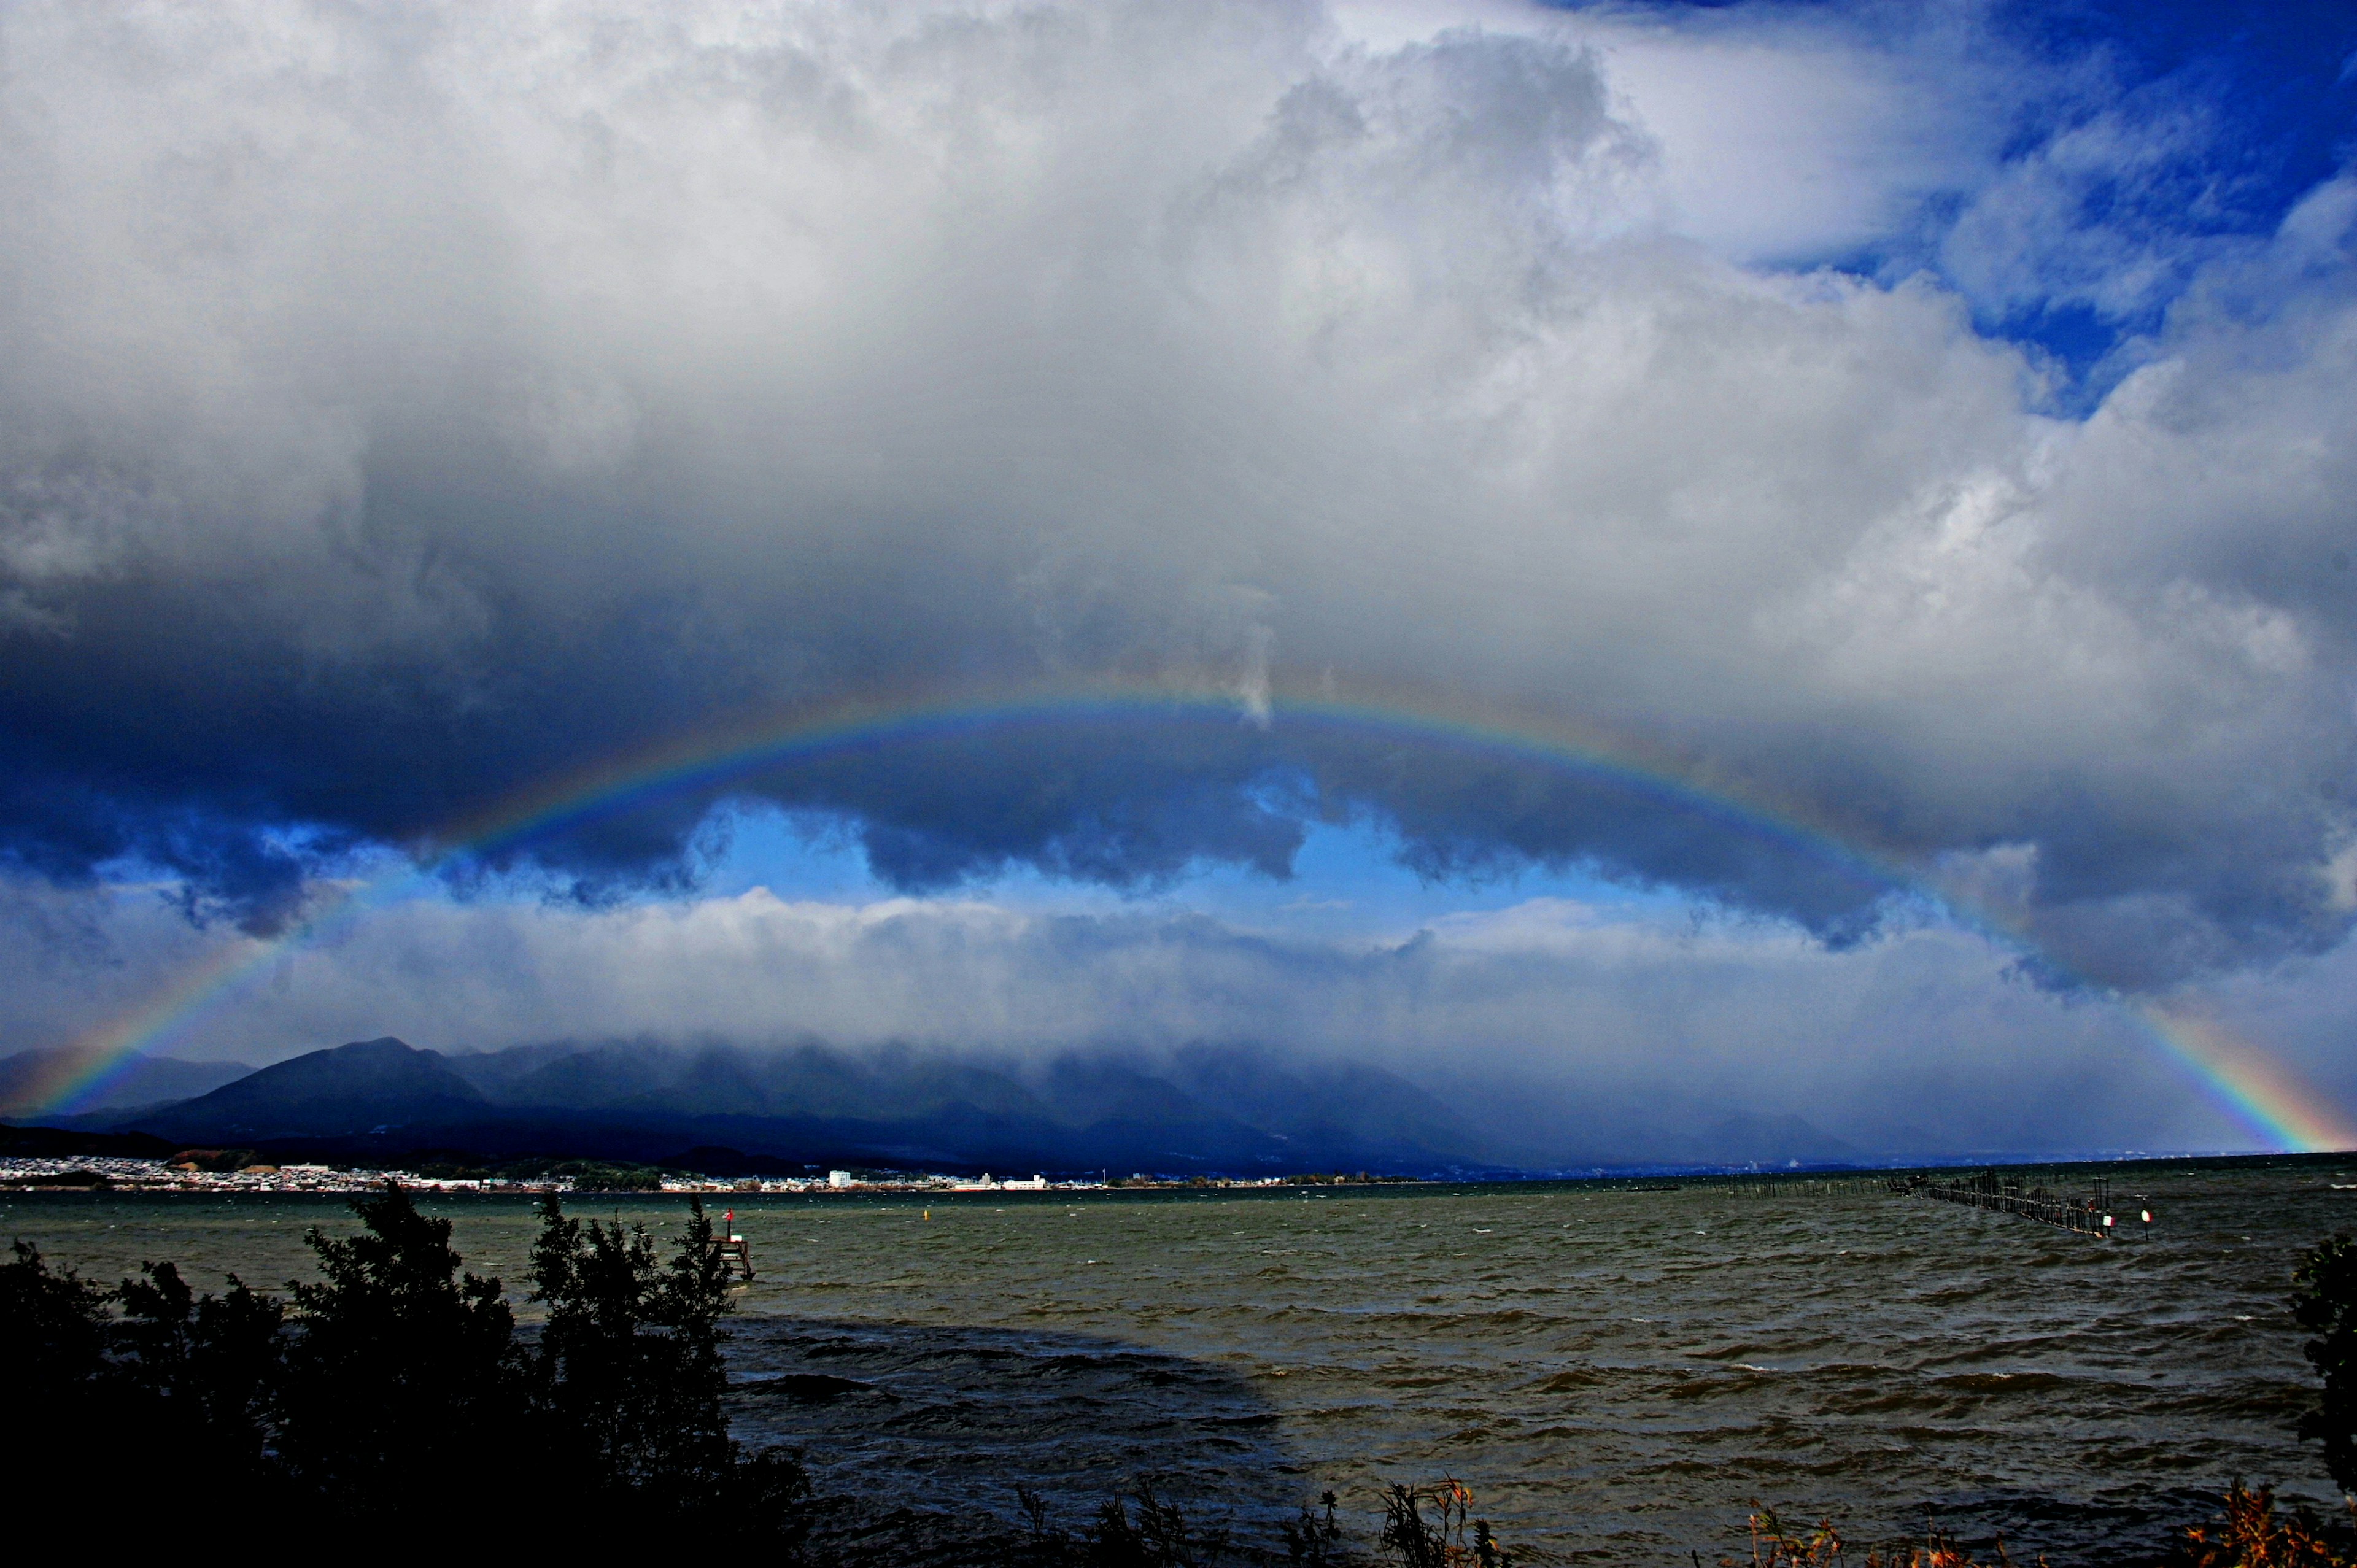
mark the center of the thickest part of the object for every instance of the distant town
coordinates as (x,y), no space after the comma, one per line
(209,1171)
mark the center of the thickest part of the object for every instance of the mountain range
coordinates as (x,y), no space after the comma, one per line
(1235,1110)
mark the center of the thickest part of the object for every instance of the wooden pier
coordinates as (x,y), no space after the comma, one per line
(2010,1193)
(2019,1191)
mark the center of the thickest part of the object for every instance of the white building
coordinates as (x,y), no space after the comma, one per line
(838,1179)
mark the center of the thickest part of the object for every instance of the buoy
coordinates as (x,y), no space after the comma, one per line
(2147,1215)
(928,1214)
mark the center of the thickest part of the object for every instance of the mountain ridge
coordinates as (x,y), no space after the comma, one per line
(1202,1109)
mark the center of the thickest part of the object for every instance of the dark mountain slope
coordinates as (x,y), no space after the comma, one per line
(892,1084)
(1243,1109)
(808,1105)
(337,1092)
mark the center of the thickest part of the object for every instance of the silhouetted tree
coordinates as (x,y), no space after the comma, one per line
(395,1404)
(194,1372)
(2326,1304)
(629,1381)
(56,1329)
(53,1333)
(629,1364)
(401,1381)
(203,1370)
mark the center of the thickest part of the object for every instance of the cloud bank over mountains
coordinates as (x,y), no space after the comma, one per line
(399,406)
(1545,1021)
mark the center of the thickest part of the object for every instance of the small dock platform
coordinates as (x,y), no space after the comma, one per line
(736,1252)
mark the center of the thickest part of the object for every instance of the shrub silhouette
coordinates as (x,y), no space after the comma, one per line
(393,1397)
(2325,1304)
(628,1380)
(400,1378)
(56,1327)
(204,1370)
(53,1328)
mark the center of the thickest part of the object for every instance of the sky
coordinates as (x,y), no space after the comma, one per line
(1795,556)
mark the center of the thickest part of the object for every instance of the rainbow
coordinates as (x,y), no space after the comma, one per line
(2245,1081)
(2261,1090)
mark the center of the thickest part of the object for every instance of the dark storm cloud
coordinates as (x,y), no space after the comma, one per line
(399,407)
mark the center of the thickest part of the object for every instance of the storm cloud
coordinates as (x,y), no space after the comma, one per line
(402,406)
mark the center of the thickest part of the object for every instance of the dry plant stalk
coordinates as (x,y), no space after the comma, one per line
(2253,1536)
(1776,1544)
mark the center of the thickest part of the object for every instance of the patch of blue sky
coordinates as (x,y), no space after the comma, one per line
(794,855)
(2216,120)
(2166,134)
(1347,880)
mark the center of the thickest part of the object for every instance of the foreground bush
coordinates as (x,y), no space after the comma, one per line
(2325,1303)
(391,1402)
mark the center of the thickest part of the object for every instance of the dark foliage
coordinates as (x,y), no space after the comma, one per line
(2326,1304)
(201,1368)
(54,1330)
(628,1380)
(395,1402)
(400,1378)
(193,1375)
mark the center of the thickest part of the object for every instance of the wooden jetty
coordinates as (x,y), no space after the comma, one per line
(2018,1190)
(2005,1192)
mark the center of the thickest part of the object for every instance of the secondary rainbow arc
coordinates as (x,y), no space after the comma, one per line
(2257,1090)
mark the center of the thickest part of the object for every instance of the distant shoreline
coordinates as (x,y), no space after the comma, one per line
(152,1174)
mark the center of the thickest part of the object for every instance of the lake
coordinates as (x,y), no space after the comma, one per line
(1613,1371)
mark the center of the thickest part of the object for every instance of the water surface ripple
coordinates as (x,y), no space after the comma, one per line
(1616,1373)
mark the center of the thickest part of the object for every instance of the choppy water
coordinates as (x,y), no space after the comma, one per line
(1613,1372)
